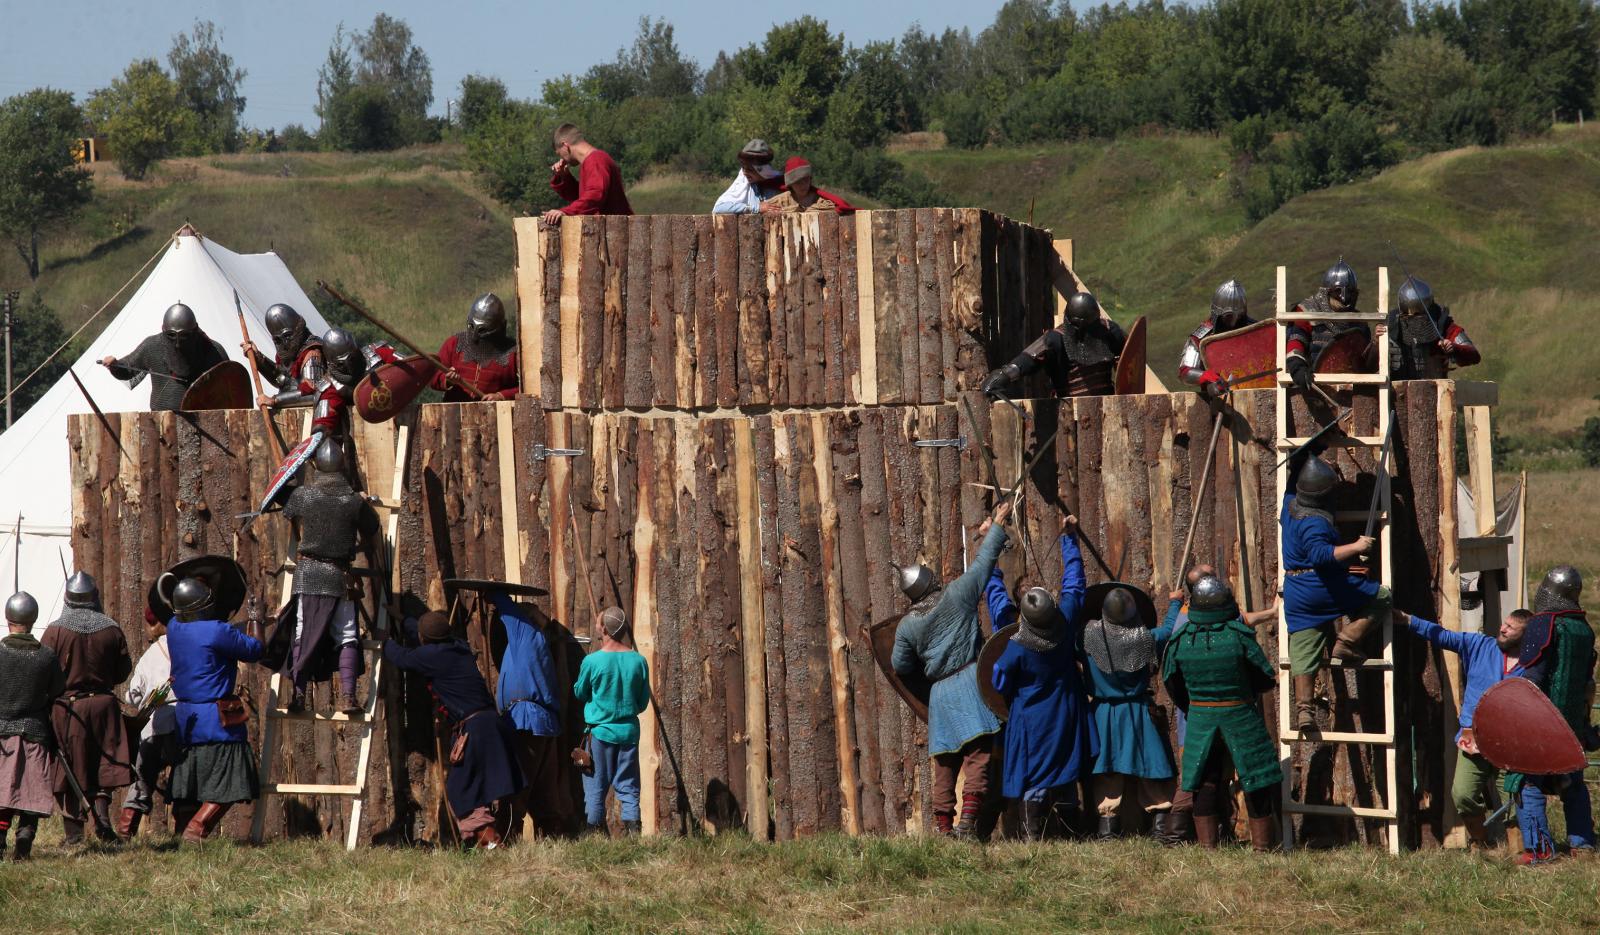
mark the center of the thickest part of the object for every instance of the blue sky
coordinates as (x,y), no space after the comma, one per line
(280,43)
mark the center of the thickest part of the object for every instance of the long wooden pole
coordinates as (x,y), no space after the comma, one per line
(255,378)
(466,387)
(104,422)
(1199,495)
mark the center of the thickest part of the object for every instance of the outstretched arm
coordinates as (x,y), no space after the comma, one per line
(1002,610)
(1073,584)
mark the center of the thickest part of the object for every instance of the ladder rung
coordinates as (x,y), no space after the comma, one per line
(1341,811)
(1341,441)
(304,788)
(1289,315)
(1334,736)
(313,716)
(1375,665)
(1335,379)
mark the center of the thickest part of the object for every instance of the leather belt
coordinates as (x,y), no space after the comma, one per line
(1216,704)
(1296,572)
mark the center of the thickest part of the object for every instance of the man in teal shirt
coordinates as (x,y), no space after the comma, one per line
(614,687)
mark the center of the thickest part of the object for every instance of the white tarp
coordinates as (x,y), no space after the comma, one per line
(35,467)
(1508,522)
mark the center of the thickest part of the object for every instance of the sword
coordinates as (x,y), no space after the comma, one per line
(1344,411)
(458,381)
(104,422)
(1426,312)
(1379,475)
(16,560)
(102,829)
(255,380)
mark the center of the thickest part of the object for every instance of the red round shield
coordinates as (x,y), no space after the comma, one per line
(391,386)
(1242,352)
(1518,729)
(1131,362)
(1346,353)
(225,386)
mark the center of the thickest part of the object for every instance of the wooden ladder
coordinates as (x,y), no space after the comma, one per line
(1287,735)
(368,718)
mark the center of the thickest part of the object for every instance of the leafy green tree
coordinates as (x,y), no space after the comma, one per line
(1414,77)
(36,333)
(40,182)
(208,84)
(143,117)
(389,60)
(510,151)
(362,119)
(480,98)
(1590,441)
(337,74)
(876,73)
(1343,145)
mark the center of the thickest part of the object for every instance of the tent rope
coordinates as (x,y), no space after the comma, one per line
(114,296)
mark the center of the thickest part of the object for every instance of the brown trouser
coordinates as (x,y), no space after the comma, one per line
(971,762)
(1153,795)
(543,798)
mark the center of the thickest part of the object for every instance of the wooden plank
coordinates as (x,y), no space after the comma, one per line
(883,715)
(811,310)
(663,327)
(866,310)
(965,312)
(838,648)
(752,624)
(1449,596)
(643,614)
(885,317)
(725,250)
(846,286)
(860,704)
(511,546)
(753,317)
(777,315)
(571,313)
(553,312)
(592,311)
(830,273)
(943,295)
(705,315)
(638,386)
(909,329)
(930,357)
(804,692)
(530,256)
(766,455)
(694,696)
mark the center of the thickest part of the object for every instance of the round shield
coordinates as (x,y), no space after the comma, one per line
(1131,362)
(1346,353)
(1518,729)
(391,386)
(485,584)
(913,690)
(225,386)
(1096,595)
(223,575)
(993,648)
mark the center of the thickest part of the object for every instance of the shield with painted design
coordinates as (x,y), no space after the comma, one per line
(1346,353)
(287,469)
(225,386)
(1242,352)
(993,648)
(391,386)
(1519,730)
(1131,362)
(913,690)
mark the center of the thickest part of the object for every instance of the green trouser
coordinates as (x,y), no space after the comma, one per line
(1475,779)
(1309,647)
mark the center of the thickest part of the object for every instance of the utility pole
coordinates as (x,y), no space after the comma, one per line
(10,302)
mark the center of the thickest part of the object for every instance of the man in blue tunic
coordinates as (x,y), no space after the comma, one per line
(527,693)
(1318,586)
(939,638)
(1049,738)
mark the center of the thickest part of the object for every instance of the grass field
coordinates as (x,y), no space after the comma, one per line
(828,884)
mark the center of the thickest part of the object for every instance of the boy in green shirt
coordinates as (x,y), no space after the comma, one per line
(614,687)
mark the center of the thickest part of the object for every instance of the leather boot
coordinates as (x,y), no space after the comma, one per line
(297,700)
(631,828)
(71,831)
(1262,837)
(967,827)
(1109,829)
(487,839)
(103,829)
(1207,829)
(182,814)
(128,824)
(1477,832)
(348,704)
(1351,646)
(944,823)
(27,826)
(1305,702)
(1179,824)
(1034,817)
(1063,820)
(204,822)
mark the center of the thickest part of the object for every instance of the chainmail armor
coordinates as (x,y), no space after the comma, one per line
(494,349)
(330,514)
(1307,505)
(83,620)
(1040,641)
(171,367)
(1547,600)
(25,686)
(1119,649)
(1414,346)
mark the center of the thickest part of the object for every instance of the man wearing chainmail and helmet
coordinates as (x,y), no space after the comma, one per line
(334,520)
(1424,341)
(1558,655)
(1229,312)
(296,366)
(483,356)
(1049,737)
(1305,339)
(940,637)
(172,360)
(1079,355)
(347,362)
(30,680)
(88,717)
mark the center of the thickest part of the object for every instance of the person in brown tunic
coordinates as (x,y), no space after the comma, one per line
(87,718)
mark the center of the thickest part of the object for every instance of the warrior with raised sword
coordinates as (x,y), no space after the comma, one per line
(1079,355)
(173,359)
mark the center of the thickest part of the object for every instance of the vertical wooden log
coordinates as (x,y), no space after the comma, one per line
(670,616)
(776,231)
(866,309)
(558,384)
(884,714)
(663,327)
(637,384)
(831,273)
(944,244)
(832,572)
(752,630)
(804,688)
(530,256)
(726,259)
(644,616)
(846,288)
(930,359)
(694,700)
(707,341)
(685,268)
(591,310)
(753,317)
(966,311)
(766,432)
(903,476)
(843,429)
(886,308)
(909,333)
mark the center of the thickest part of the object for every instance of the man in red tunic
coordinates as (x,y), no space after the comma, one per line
(483,356)
(598,187)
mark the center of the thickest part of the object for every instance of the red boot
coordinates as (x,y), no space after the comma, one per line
(204,822)
(944,823)
(128,823)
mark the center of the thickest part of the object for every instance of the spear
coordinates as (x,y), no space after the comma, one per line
(16,560)
(104,422)
(377,323)
(255,377)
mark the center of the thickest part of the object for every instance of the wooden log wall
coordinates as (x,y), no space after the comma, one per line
(696,312)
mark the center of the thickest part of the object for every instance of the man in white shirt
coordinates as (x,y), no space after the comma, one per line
(158,741)
(756,182)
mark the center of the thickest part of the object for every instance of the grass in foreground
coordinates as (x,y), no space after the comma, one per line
(830,883)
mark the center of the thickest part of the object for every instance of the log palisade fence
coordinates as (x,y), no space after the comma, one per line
(750,536)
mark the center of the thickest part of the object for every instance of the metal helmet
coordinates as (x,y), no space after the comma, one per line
(1316,479)
(179,321)
(915,581)
(1209,593)
(1415,296)
(1039,608)
(1082,308)
(1340,283)
(338,343)
(329,457)
(22,609)
(1120,608)
(81,590)
(1561,589)
(283,322)
(190,597)
(488,316)
(1228,305)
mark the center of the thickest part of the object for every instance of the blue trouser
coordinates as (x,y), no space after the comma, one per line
(616,766)
(1534,823)
(1066,795)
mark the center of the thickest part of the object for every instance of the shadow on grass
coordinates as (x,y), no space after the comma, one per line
(133,235)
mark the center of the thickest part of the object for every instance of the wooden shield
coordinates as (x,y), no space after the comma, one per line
(485,584)
(1518,729)
(1131,363)
(297,456)
(1346,353)
(993,648)
(912,690)
(225,386)
(223,575)
(391,386)
(1241,352)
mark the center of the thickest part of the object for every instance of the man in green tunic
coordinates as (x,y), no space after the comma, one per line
(1214,669)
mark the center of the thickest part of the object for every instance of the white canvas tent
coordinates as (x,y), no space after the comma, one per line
(35,470)
(1508,522)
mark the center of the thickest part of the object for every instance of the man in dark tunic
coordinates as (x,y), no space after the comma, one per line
(483,356)
(1424,341)
(1079,355)
(1305,339)
(87,717)
(1214,669)
(30,680)
(173,359)
(527,692)
(296,365)
(487,773)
